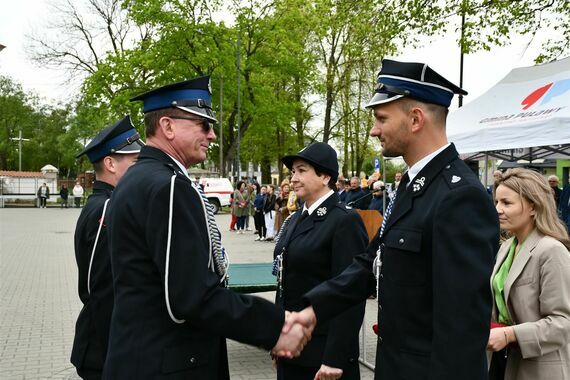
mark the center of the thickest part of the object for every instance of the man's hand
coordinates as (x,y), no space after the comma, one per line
(305,317)
(291,343)
(328,373)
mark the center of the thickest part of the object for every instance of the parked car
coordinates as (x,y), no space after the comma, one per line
(218,191)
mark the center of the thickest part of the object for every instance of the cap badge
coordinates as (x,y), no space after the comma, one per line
(455,179)
(419,183)
(321,211)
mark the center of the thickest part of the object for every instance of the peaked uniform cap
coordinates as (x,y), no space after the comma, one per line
(414,80)
(119,138)
(192,96)
(320,155)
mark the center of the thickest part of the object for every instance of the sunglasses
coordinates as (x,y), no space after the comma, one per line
(206,126)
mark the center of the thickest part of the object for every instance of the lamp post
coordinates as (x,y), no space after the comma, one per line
(19,139)
(238,121)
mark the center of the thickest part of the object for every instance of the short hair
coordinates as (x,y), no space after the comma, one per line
(438,112)
(332,183)
(532,186)
(152,118)
(553,178)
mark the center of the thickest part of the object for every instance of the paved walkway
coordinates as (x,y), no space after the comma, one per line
(39,302)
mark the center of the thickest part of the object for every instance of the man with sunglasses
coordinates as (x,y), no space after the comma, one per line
(173,309)
(111,152)
(431,260)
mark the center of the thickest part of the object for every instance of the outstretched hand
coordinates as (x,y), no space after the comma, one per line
(305,317)
(295,334)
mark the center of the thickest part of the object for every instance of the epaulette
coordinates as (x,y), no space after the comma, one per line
(453,177)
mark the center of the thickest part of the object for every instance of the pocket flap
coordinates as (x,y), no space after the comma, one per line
(405,239)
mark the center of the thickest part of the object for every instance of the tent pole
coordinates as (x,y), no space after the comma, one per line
(486,169)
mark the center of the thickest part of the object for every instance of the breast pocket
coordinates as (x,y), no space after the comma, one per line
(405,262)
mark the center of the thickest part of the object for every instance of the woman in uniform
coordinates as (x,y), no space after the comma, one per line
(318,243)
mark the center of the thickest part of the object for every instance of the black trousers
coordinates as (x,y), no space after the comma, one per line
(259,220)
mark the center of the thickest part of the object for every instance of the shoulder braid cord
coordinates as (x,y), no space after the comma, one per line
(168,244)
(101,221)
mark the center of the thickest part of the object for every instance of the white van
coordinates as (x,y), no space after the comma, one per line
(218,191)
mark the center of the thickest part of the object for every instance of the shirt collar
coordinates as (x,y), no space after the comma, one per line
(418,166)
(319,201)
(182,168)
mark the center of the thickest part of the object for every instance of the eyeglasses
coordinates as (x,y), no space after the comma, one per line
(206,126)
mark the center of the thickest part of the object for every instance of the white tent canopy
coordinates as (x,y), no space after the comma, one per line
(525,115)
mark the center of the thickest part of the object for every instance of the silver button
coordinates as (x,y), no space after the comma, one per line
(382,245)
(401,241)
(192,360)
(379,340)
(448,166)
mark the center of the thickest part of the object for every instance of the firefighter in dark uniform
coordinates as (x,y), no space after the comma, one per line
(318,243)
(434,255)
(111,152)
(172,310)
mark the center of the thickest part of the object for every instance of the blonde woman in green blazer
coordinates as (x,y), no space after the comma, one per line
(530,283)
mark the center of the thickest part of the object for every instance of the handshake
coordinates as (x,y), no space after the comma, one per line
(295,334)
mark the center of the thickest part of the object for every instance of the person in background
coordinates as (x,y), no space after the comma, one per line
(43,195)
(282,211)
(356,197)
(341,190)
(553,182)
(377,201)
(64,194)
(250,198)
(318,243)
(269,212)
(241,206)
(111,152)
(395,184)
(564,206)
(259,215)
(530,335)
(77,194)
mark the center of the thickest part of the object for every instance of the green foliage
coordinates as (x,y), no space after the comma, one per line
(47,128)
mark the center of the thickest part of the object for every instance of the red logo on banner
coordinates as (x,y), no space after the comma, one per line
(535,96)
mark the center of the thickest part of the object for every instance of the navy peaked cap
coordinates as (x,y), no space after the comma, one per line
(119,138)
(193,96)
(320,155)
(414,80)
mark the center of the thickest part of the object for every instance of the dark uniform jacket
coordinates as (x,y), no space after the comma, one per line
(318,248)
(435,302)
(92,327)
(171,315)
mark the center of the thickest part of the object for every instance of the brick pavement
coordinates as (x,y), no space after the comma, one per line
(39,302)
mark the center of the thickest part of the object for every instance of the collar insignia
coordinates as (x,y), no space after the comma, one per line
(321,211)
(455,179)
(419,183)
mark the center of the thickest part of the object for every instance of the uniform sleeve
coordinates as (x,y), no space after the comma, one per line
(350,239)
(552,332)
(192,290)
(355,284)
(465,241)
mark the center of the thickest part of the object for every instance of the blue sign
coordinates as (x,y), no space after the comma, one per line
(377,165)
